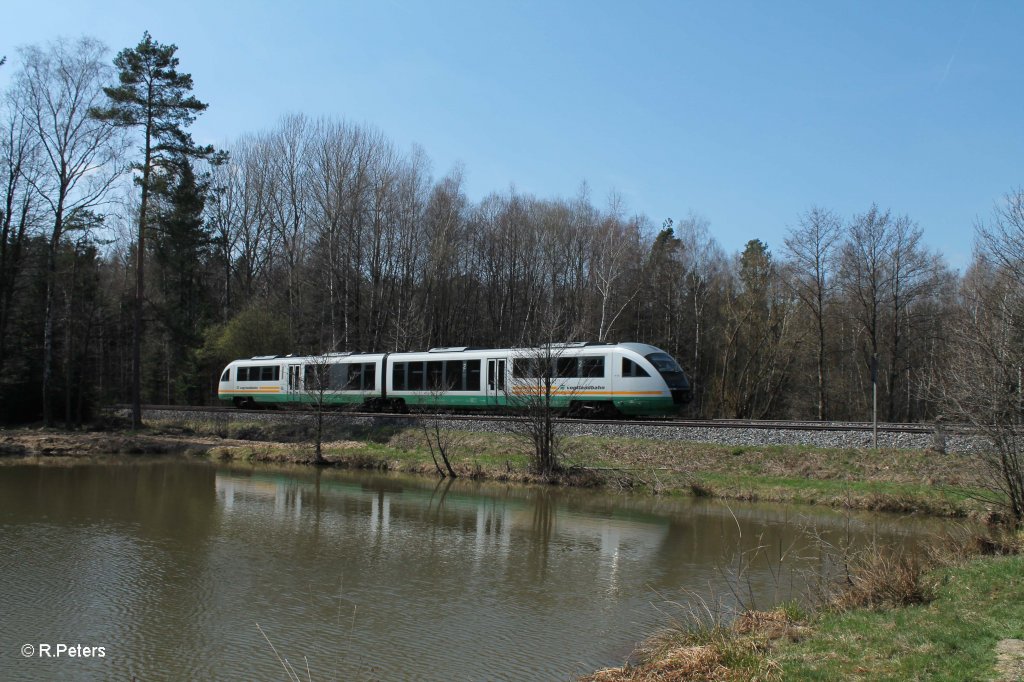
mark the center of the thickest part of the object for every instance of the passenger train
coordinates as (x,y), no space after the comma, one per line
(587,379)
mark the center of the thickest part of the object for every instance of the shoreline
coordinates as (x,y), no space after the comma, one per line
(887,480)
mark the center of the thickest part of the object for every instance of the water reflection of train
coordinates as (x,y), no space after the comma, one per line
(599,379)
(377,504)
(535,529)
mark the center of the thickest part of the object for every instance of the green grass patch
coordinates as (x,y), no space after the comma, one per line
(946,628)
(953,637)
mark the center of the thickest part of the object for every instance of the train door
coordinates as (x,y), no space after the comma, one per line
(496,381)
(294,382)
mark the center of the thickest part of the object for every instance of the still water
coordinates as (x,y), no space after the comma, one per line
(189,570)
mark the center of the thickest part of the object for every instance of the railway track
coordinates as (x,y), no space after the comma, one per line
(746,424)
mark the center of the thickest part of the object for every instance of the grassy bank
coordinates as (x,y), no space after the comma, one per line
(961,621)
(881,480)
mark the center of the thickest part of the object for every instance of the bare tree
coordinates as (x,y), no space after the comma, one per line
(865,276)
(222,215)
(1000,242)
(249,240)
(510,258)
(444,236)
(316,382)
(531,394)
(442,440)
(55,91)
(411,201)
(704,283)
(985,382)
(287,203)
(915,274)
(339,178)
(616,257)
(811,248)
(19,165)
(886,275)
(544,382)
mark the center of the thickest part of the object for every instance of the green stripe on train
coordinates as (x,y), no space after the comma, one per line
(630,406)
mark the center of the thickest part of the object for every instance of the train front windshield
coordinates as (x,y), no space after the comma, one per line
(673,375)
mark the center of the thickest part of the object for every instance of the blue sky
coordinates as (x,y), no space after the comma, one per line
(745,113)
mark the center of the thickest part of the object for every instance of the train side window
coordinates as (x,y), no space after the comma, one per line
(317,378)
(454,379)
(260,373)
(538,366)
(369,376)
(566,368)
(473,375)
(435,375)
(351,375)
(398,380)
(631,369)
(337,375)
(592,367)
(416,376)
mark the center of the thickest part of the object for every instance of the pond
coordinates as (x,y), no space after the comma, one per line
(171,569)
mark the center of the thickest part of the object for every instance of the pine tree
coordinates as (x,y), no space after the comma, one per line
(155,99)
(181,247)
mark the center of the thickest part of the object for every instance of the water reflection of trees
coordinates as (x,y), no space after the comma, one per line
(541,529)
(536,535)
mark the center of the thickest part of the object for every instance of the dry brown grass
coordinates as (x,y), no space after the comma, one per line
(684,663)
(737,652)
(883,580)
(1000,540)
(771,625)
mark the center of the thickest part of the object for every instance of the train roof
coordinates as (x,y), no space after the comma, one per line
(640,348)
(297,358)
(644,349)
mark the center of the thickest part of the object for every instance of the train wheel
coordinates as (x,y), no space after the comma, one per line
(603,409)
(607,410)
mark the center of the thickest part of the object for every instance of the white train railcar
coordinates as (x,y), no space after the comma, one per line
(580,378)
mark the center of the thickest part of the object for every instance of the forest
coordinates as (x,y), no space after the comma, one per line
(121,251)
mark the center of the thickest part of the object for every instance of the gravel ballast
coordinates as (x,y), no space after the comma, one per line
(855,437)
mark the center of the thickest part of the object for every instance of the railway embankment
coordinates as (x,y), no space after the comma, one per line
(773,464)
(944,438)
(837,468)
